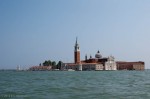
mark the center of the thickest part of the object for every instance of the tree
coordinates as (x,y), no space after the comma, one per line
(59,65)
(47,63)
(54,65)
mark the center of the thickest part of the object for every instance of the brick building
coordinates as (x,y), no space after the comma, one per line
(130,65)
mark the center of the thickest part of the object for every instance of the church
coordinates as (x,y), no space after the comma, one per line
(90,64)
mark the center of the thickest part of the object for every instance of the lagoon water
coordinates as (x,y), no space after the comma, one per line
(75,85)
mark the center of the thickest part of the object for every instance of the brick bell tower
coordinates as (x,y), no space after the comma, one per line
(76,52)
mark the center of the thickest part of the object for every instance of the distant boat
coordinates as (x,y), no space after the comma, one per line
(71,70)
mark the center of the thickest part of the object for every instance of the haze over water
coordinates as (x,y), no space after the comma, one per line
(75,85)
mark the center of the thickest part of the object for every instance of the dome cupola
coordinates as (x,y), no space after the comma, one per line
(98,55)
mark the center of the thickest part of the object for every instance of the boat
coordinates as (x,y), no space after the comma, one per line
(70,70)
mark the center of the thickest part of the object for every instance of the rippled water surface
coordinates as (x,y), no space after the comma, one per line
(75,85)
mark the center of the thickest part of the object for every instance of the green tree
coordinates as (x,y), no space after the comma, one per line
(59,64)
(47,63)
(54,65)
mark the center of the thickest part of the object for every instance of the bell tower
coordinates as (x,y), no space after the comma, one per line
(76,52)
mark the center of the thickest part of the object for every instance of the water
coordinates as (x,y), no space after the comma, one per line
(75,85)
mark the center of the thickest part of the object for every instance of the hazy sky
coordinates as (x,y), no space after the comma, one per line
(32,31)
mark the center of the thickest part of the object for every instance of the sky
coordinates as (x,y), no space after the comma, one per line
(32,31)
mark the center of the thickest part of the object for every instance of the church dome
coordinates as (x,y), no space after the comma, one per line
(98,55)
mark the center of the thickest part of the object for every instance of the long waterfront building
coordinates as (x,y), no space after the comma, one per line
(99,63)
